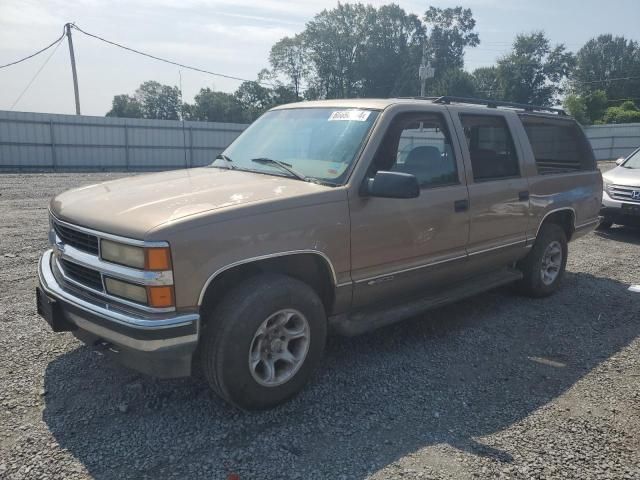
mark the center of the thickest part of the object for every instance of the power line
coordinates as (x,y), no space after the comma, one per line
(34,54)
(171,62)
(36,74)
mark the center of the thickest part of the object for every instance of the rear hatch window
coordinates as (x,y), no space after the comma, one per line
(559,145)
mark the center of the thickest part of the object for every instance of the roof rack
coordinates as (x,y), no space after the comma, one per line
(495,104)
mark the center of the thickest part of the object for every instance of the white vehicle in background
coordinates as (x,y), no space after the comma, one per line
(621,196)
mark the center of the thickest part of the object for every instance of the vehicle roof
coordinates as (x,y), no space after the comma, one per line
(383,103)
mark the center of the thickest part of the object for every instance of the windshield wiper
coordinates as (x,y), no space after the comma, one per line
(282,165)
(228,162)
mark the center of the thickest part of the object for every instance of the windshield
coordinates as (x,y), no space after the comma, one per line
(633,161)
(317,143)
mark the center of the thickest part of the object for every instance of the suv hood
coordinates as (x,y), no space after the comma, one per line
(133,206)
(623,176)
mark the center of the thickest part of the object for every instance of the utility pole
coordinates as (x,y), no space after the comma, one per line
(67,27)
(425,71)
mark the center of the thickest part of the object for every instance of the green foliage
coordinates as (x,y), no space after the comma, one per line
(627,112)
(215,106)
(532,72)
(159,101)
(587,109)
(289,57)
(608,63)
(488,83)
(454,81)
(125,106)
(451,31)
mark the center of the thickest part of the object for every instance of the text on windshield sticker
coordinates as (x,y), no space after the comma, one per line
(350,115)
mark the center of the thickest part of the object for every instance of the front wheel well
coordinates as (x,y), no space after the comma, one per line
(565,218)
(310,268)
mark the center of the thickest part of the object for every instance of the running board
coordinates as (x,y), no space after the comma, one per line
(366,320)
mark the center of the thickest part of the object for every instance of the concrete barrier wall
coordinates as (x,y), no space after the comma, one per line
(613,141)
(40,141)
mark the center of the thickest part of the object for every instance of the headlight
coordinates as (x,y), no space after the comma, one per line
(148,258)
(154,296)
(606,186)
(126,290)
(123,254)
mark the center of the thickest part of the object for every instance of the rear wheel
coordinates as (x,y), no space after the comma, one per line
(543,268)
(263,341)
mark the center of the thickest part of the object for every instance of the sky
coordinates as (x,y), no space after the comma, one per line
(232,37)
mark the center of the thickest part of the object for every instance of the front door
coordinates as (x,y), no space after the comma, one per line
(400,247)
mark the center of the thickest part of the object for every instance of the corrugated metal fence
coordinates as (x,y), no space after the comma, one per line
(40,141)
(612,141)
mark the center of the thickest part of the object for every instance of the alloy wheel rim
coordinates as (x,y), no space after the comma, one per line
(551,263)
(279,347)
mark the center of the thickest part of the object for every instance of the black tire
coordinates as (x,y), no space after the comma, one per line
(605,224)
(532,283)
(229,332)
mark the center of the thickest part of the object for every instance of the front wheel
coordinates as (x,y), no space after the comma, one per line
(263,342)
(543,268)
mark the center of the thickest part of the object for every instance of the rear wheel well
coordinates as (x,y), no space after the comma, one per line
(564,218)
(309,268)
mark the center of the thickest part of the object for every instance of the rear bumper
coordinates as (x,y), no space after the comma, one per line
(158,345)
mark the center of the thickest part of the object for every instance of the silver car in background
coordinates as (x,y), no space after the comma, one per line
(621,196)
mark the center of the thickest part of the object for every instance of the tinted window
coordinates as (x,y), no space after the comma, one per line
(493,155)
(558,145)
(419,144)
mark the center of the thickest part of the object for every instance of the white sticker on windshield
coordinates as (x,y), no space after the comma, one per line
(350,115)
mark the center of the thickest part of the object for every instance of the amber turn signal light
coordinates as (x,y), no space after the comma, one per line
(160,297)
(157,258)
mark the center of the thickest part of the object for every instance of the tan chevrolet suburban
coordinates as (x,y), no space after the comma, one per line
(331,216)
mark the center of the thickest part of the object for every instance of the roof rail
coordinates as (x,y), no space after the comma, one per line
(498,103)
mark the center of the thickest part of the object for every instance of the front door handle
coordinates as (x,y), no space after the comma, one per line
(523,196)
(461,205)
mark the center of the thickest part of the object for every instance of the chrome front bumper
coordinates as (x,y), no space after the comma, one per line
(159,344)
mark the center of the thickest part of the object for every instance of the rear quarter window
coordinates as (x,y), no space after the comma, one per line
(558,145)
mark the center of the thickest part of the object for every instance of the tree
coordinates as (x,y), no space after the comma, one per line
(125,106)
(392,53)
(289,57)
(608,63)
(159,101)
(215,106)
(451,31)
(532,72)
(488,83)
(454,81)
(587,109)
(627,112)
(336,41)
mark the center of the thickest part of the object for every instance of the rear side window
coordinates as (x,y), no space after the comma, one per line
(493,155)
(558,145)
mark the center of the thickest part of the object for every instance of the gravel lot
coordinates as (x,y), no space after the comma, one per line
(498,386)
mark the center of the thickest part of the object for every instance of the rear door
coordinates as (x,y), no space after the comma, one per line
(498,188)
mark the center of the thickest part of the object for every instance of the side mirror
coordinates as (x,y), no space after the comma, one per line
(391,185)
(619,161)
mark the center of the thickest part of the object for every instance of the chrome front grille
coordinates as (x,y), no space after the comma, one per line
(83,275)
(624,193)
(77,239)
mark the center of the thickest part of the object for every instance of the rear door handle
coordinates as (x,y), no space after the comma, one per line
(461,205)
(522,196)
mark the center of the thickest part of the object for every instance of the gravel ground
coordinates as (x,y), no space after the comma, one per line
(497,386)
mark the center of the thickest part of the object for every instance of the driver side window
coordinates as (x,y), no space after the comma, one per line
(419,144)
